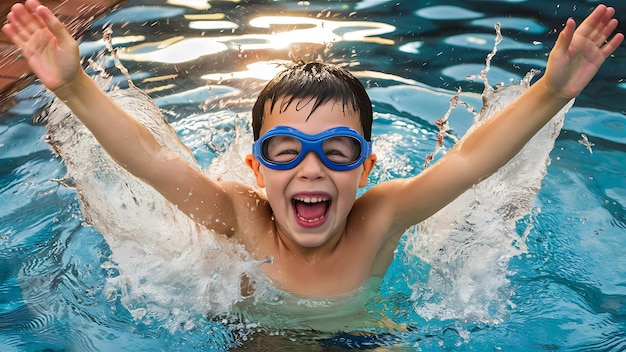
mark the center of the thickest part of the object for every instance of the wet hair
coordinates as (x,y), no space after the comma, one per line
(319,82)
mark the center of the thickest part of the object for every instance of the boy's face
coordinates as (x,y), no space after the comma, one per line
(311,202)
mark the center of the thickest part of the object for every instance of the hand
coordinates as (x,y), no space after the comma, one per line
(51,52)
(579,52)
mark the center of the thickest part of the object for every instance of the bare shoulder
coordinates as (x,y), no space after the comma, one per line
(374,213)
(252,211)
(373,230)
(406,202)
(382,198)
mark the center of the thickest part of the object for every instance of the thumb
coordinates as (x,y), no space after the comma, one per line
(565,37)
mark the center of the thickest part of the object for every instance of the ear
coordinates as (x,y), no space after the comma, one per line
(255,166)
(368,165)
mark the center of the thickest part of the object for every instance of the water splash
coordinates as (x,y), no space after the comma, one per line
(586,142)
(160,253)
(444,129)
(469,243)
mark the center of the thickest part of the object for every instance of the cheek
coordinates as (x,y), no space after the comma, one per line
(275,183)
(349,185)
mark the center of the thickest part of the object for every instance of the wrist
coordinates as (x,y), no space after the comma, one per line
(73,87)
(552,93)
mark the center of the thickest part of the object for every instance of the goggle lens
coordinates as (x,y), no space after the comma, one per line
(339,148)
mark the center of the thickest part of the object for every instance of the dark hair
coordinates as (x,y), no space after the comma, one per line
(320,82)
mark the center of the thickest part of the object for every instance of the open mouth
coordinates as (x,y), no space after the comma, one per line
(311,209)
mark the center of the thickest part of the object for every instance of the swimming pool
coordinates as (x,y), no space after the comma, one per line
(552,279)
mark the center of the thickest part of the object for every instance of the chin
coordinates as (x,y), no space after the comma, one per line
(311,242)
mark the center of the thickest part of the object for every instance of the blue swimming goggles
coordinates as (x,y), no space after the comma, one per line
(339,148)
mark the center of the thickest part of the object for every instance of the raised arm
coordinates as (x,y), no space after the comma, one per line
(572,63)
(575,59)
(53,56)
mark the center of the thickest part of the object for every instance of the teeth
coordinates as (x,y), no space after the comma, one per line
(309,220)
(310,199)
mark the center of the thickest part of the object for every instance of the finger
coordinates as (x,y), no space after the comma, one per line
(589,27)
(14,30)
(605,27)
(565,37)
(9,30)
(610,12)
(32,5)
(24,19)
(613,44)
(52,22)
(606,32)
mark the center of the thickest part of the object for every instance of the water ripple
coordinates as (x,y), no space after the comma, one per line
(614,341)
(449,13)
(25,318)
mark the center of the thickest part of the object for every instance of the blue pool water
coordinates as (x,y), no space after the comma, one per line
(502,269)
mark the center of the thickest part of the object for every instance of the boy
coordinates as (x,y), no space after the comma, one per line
(312,125)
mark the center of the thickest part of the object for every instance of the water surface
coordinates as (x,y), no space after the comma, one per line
(518,273)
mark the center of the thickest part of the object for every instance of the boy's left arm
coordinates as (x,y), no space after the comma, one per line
(575,59)
(572,63)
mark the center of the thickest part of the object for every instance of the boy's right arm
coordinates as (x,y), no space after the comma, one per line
(53,56)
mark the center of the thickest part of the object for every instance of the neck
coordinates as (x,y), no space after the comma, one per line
(313,254)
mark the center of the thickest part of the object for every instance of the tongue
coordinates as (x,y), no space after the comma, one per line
(311,211)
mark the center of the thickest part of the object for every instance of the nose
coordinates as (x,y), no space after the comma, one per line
(311,167)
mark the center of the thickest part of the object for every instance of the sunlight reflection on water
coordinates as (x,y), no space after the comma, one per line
(307,30)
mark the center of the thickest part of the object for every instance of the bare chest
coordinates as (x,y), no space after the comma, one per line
(317,279)
(342,271)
